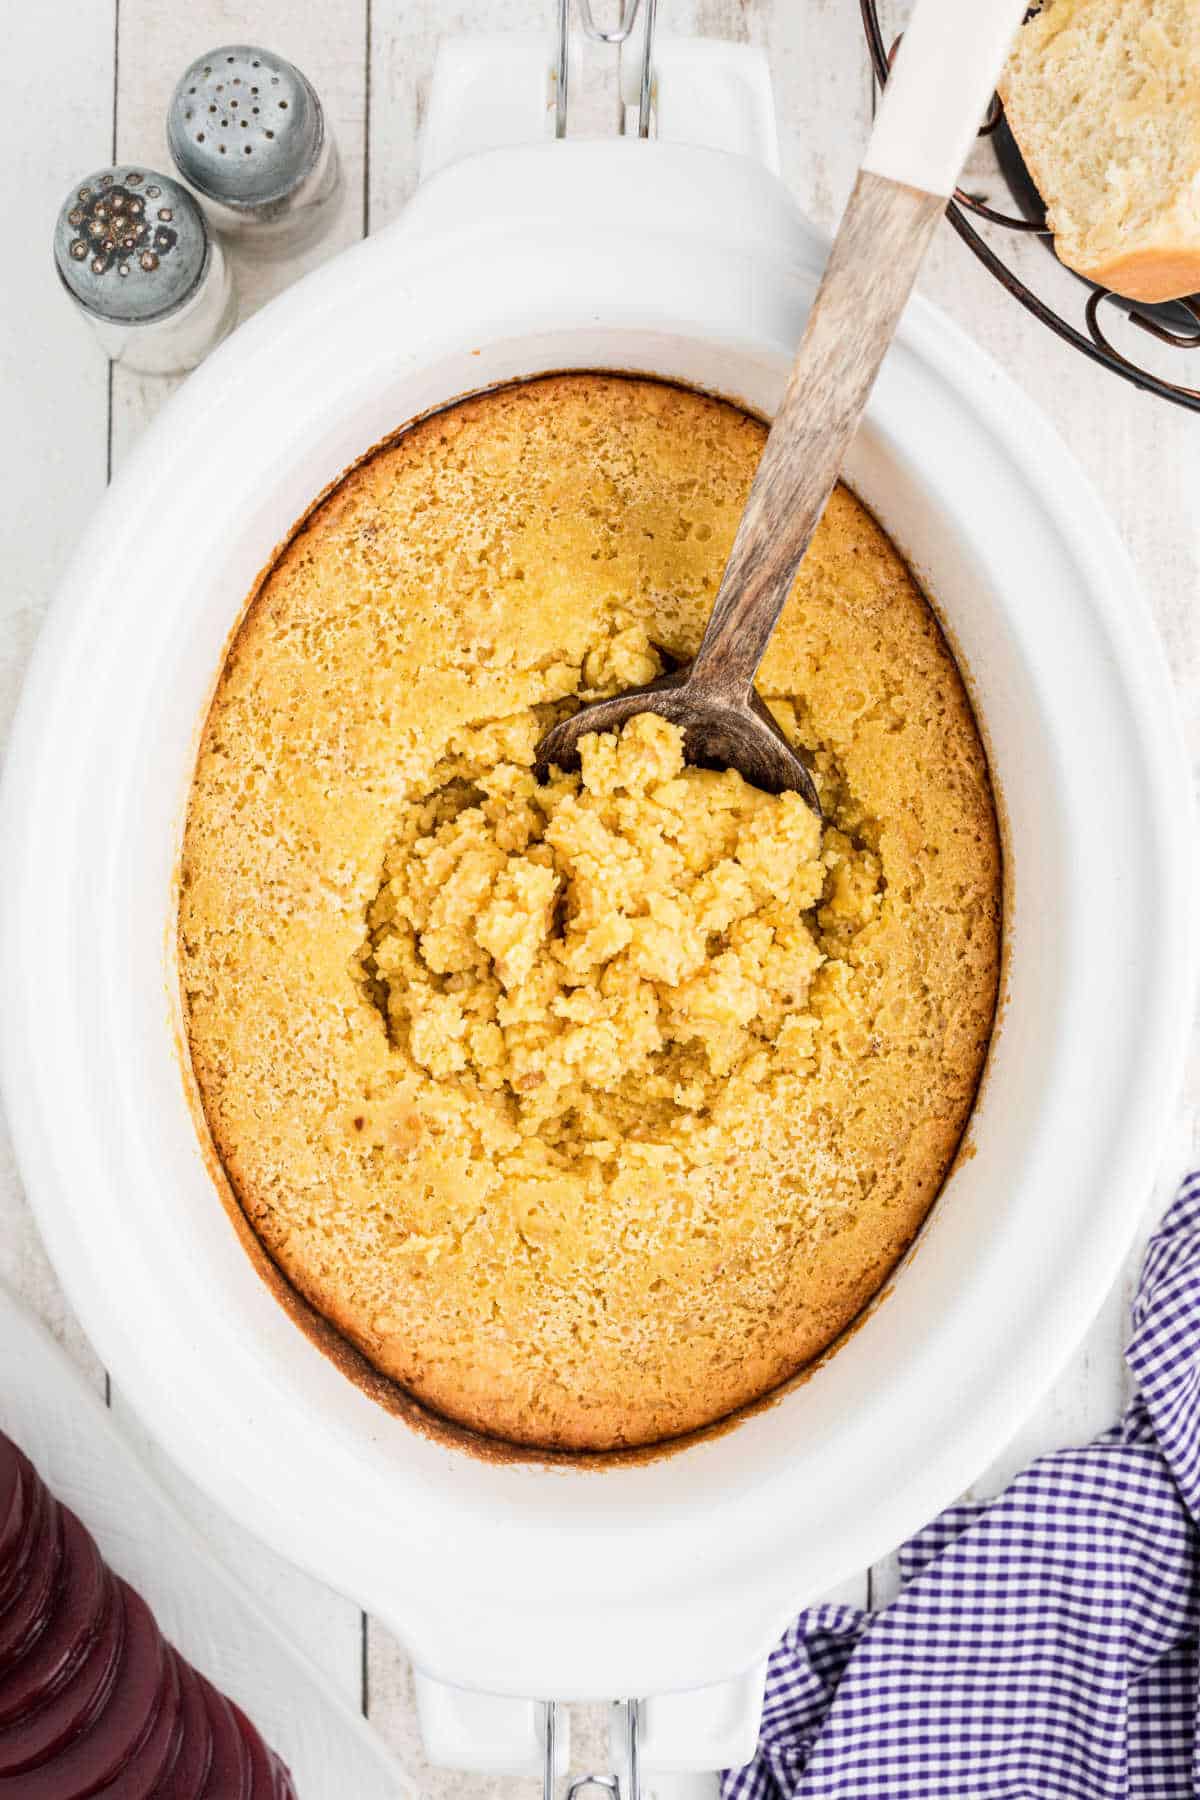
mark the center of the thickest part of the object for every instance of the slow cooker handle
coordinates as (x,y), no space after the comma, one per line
(690,1734)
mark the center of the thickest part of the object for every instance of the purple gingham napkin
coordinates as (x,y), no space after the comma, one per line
(1044,1646)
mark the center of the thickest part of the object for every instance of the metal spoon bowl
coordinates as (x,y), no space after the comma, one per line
(718,733)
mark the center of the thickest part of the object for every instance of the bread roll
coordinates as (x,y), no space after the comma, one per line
(1103,98)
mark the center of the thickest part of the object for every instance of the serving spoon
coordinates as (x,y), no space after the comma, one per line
(945,74)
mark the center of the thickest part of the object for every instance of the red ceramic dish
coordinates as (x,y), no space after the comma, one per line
(94,1704)
(34,1577)
(185,1779)
(73,1619)
(230,1775)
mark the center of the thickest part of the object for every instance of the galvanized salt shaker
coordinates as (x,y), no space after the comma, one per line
(247,131)
(133,252)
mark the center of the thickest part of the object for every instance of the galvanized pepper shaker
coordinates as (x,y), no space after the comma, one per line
(133,252)
(247,131)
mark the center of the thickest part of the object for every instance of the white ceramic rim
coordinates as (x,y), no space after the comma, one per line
(526,1579)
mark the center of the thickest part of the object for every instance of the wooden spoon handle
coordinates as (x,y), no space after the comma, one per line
(946,70)
(868,279)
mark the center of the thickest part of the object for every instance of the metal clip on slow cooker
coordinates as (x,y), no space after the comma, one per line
(621,38)
(489,93)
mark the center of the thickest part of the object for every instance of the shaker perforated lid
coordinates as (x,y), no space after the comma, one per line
(244,126)
(130,245)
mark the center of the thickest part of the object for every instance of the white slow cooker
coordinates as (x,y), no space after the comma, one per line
(670,1580)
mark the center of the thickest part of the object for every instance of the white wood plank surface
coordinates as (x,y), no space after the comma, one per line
(66,424)
(53,443)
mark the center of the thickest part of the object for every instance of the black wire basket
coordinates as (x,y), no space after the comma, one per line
(1174,324)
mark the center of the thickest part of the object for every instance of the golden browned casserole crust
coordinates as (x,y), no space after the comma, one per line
(588,1112)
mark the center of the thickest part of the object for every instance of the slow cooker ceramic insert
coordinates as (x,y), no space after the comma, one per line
(513,1583)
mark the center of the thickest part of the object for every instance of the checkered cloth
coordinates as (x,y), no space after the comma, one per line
(1043,1647)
